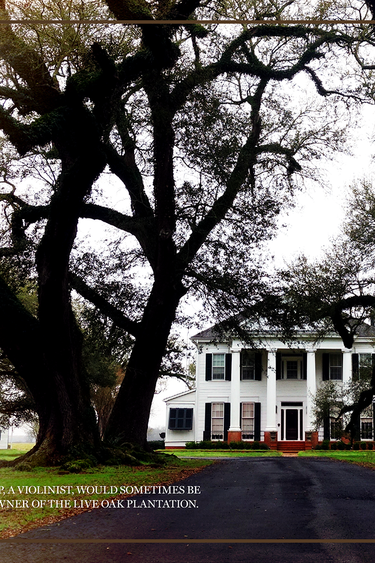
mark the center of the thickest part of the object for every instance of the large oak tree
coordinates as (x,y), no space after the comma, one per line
(198,126)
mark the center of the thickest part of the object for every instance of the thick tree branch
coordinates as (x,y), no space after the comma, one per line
(102,304)
(29,66)
(245,160)
(126,170)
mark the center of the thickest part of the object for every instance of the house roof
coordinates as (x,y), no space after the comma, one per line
(183,394)
(214,332)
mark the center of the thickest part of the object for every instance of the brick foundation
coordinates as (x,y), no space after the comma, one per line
(270,438)
(234,436)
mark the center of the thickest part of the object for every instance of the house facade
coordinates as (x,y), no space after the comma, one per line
(265,393)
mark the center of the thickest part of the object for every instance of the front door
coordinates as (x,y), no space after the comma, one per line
(291,424)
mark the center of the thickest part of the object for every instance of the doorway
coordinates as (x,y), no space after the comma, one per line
(291,422)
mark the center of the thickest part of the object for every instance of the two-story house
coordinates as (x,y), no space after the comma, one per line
(265,393)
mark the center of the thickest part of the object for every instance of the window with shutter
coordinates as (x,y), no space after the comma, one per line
(218,366)
(180,419)
(247,421)
(217,421)
(247,365)
(332,366)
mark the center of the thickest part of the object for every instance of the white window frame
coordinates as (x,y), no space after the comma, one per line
(218,430)
(250,358)
(218,375)
(251,421)
(284,367)
(367,420)
(364,362)
(333,365)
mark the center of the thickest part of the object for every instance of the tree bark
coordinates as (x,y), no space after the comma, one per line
(129,418)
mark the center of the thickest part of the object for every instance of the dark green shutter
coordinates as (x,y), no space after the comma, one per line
(240,425)
(207,422)
(226,419)
(257,422)
(228,367)
(278,365)
(325,358)
(355,367)
(172,419)
(208,367)
(304,365)
(258,366)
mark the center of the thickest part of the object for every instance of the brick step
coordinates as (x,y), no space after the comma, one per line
(291,446)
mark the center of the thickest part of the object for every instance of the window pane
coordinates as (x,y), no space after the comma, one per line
(217,422)
(292,369)
(218,363)
(248,425)
(247,421)
(366,429)
(335,366)
(217,410)
(365,366)
(247,410)
(218,360)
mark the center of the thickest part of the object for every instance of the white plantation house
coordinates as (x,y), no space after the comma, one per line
(265,393)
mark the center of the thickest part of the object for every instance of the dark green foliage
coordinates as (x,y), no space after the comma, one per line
(76,466)
(156,444)
(356,446)
(325,445)
(207,445)
(341,446)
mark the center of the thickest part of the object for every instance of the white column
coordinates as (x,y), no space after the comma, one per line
(346,365)
(310,387)
(235,392)
(271,391)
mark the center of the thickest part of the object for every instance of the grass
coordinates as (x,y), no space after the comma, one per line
(221,453)
(364,458)
(16,451)
(37,507)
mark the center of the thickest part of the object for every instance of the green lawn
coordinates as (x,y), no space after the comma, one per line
(16,450)
(24,506)
(221,453)
(357,456)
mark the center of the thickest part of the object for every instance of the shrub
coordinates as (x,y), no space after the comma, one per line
(206,445)
(156,444)
(356,446)
(334,446)
(341,446)
(191,446)
(363,445)
(325,445)
(370,445)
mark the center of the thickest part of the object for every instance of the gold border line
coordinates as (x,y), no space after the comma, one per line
(184,22)
(183,541)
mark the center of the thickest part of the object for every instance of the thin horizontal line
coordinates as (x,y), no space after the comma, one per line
(184,541)
(184,22)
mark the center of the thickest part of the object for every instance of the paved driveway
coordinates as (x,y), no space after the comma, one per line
(238,500)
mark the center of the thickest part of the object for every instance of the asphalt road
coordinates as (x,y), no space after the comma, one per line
(282,499)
